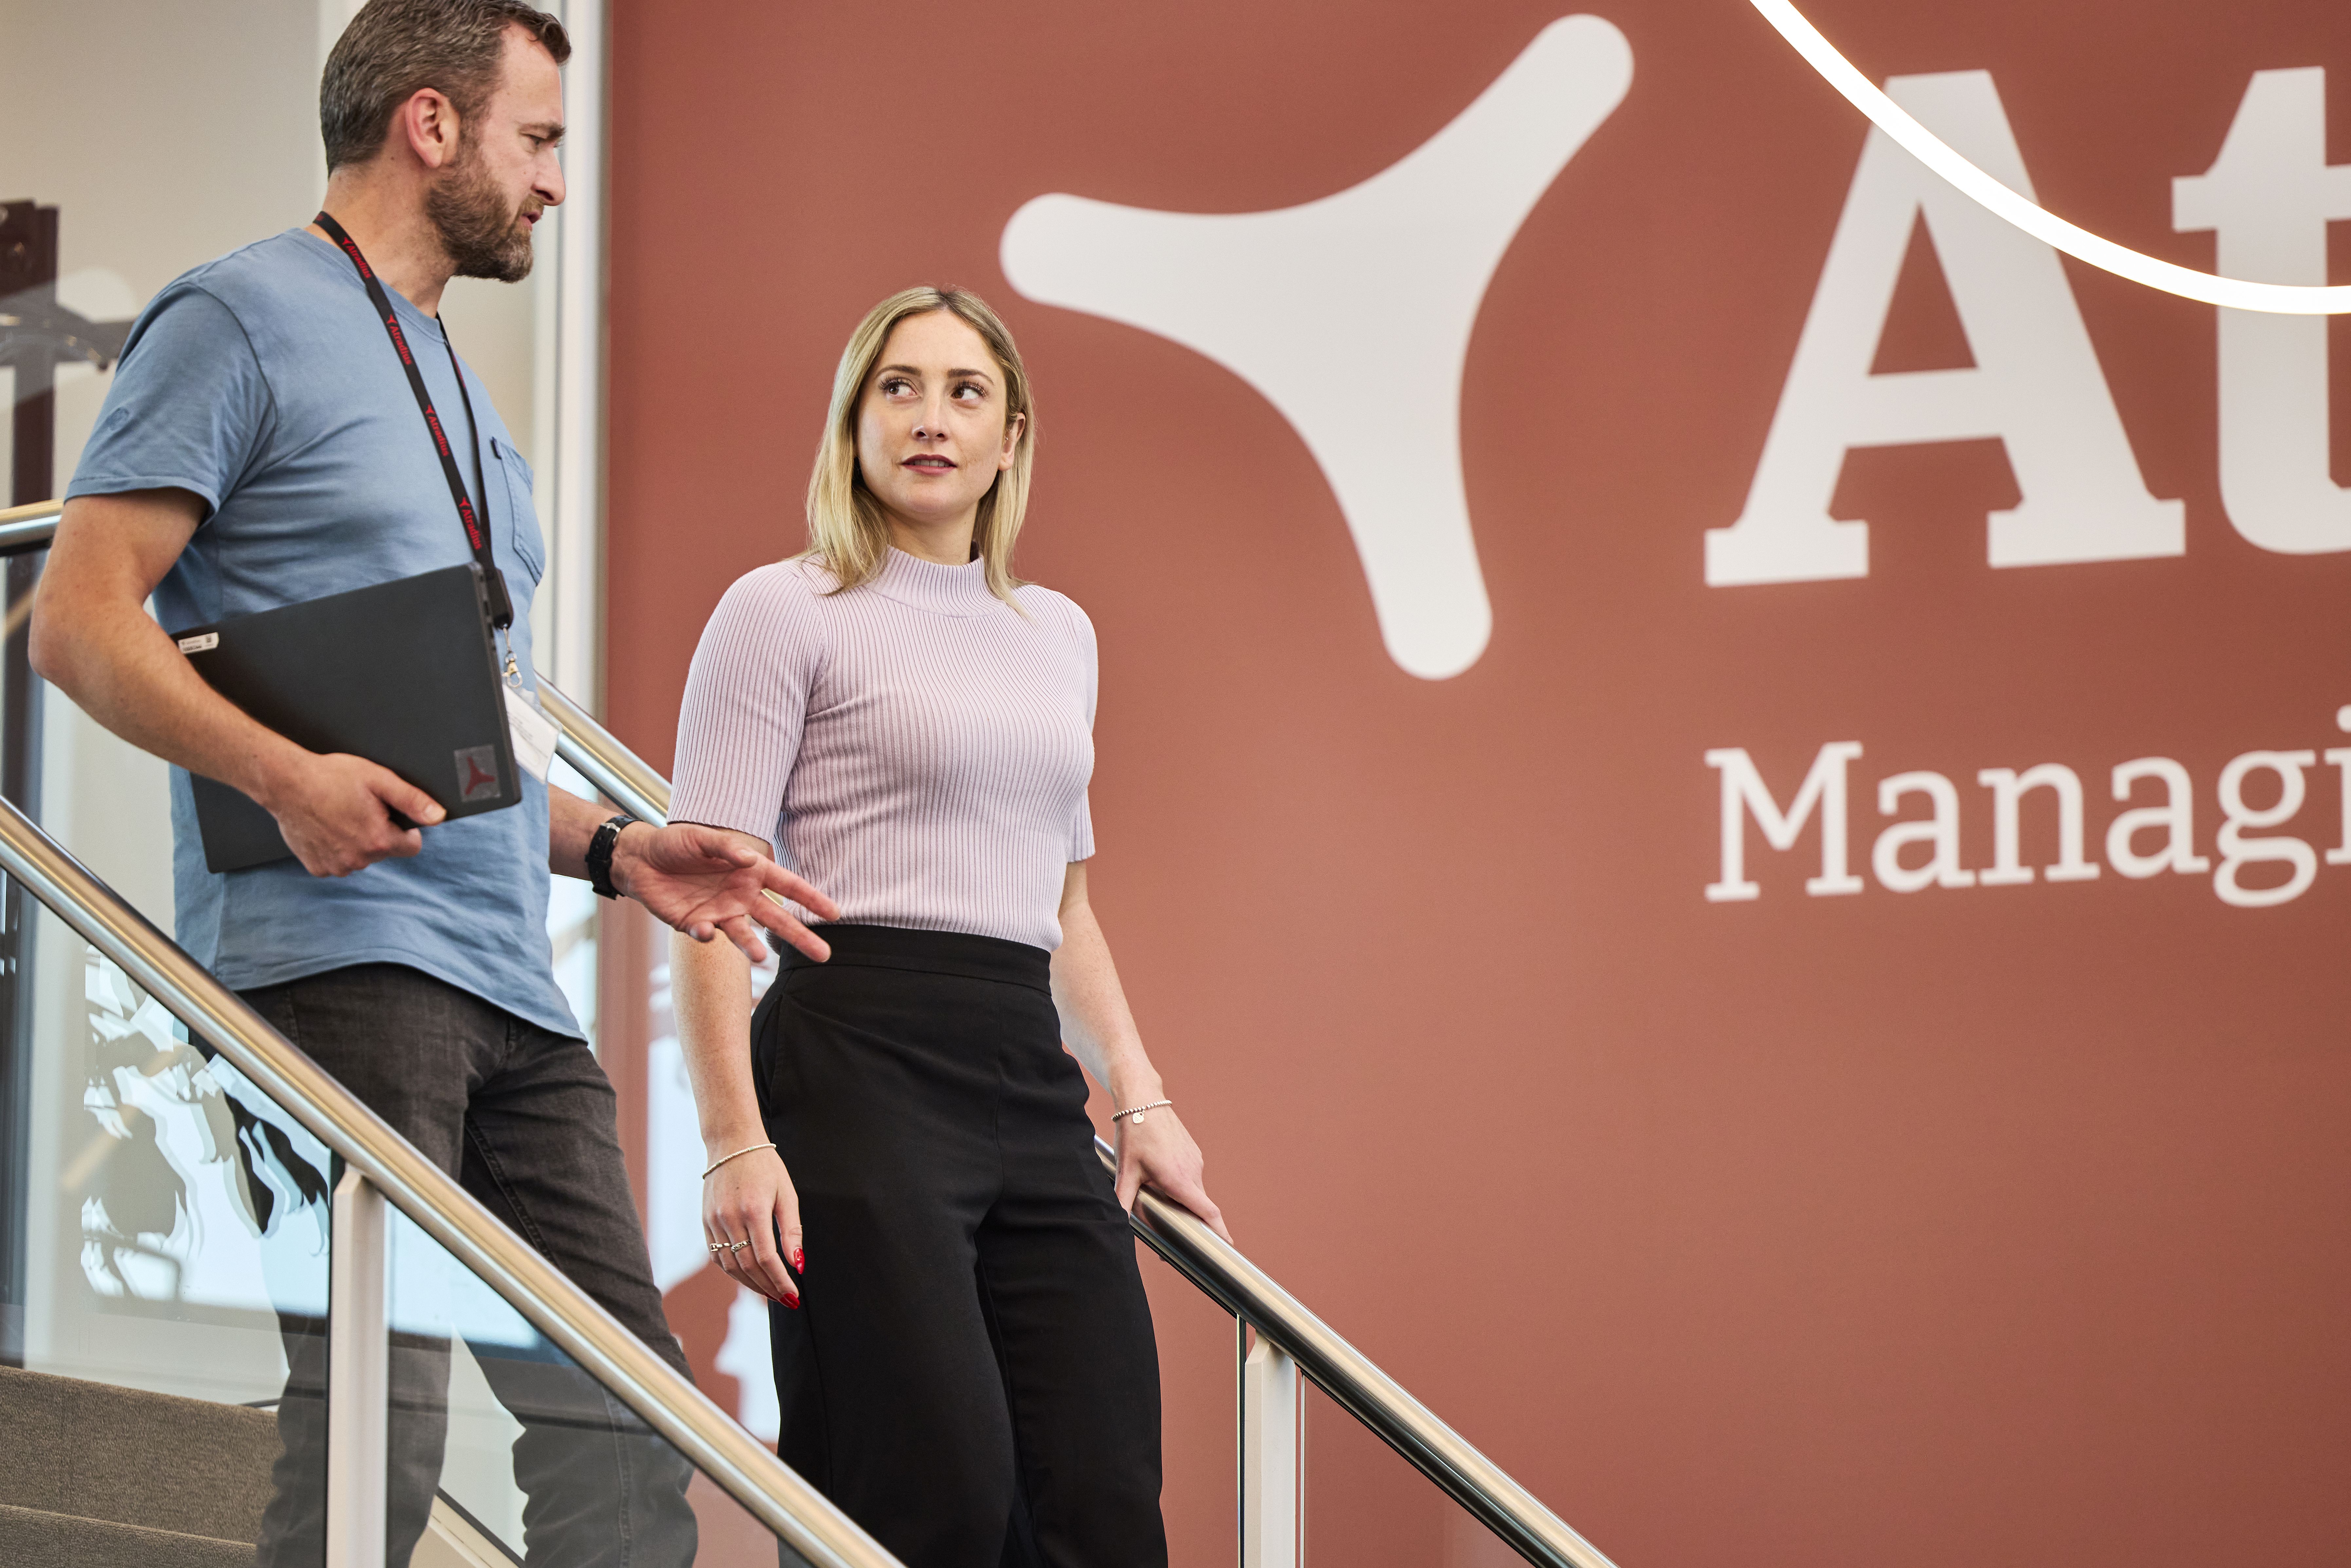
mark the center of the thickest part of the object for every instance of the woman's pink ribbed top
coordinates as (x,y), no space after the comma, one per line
(916,747)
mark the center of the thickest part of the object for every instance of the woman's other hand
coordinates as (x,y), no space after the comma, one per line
(1161,1154)
(751,1199)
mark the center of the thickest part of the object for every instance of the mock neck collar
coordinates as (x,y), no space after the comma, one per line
(927,585)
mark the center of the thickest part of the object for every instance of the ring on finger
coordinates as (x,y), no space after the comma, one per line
(736,1246)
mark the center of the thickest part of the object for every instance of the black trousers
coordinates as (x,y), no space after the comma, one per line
(523,1118)
(972,1374)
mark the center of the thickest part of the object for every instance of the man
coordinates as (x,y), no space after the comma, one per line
(261,446)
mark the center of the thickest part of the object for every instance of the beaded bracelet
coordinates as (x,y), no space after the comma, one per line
(1136,1112)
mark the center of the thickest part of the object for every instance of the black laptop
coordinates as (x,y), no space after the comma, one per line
(404,674)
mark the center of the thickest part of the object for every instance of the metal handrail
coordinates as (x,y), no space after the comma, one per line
(29,528)
(1348,1376)
(626,780)
(1178,1236)
(709,1437)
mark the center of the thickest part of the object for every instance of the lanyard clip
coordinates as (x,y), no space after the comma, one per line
(500,604)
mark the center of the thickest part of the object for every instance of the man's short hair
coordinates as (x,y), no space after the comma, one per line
(395,48)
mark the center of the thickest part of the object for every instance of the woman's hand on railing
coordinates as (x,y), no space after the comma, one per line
(709,881)
(751,1200)
(1161,1154)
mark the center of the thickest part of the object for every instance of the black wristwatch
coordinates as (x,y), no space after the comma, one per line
(600,855)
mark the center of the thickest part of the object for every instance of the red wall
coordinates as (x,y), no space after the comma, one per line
(1998,1224)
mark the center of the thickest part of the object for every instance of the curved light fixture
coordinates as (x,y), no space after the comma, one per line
(2278,299)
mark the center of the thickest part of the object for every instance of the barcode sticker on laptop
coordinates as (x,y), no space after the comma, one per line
(203,644)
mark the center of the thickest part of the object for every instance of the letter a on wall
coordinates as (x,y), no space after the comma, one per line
(2036,382)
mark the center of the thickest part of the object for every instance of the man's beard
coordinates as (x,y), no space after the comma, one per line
(485,237)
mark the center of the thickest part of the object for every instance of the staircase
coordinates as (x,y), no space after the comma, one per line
(98,1477)
(93,1476)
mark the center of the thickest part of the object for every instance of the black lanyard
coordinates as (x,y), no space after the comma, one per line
(501,603)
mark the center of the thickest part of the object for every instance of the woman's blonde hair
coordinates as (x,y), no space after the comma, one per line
(846,528)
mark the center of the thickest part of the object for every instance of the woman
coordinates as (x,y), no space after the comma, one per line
(974,1380)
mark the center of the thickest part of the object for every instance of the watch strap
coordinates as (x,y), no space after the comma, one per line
(600,855)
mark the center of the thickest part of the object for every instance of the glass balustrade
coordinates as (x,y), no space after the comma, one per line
(175,1306)
(538,1457)
(180,1250)
(175,1218)
(107,803)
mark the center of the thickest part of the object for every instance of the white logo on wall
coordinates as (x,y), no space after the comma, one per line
(1275,297)
(1280,299)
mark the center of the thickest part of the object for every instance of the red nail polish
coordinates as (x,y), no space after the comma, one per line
(800,1261)
(793,1302)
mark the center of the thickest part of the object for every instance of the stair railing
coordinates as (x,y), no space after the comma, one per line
(382,1167)
(1276,1340)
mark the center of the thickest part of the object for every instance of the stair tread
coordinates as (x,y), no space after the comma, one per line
(36,1538)
(122,1456)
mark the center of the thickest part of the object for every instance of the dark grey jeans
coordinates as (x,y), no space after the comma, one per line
(524,1119)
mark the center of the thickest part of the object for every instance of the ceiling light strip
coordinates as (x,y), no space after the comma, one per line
(2278,299)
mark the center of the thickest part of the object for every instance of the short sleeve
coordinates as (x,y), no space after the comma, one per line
(746,695)
(189,408)
(1082,838)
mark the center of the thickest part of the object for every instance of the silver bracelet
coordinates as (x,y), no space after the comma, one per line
(1136,1112)
(738,1154)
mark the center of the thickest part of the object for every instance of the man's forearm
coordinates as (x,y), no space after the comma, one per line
(571,822)
(92,637)
(125,672)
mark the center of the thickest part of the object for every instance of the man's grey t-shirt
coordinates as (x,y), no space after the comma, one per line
(265,383)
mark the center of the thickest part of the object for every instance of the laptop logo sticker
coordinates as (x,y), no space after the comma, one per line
(478,773)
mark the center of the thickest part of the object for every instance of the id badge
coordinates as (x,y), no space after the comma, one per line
(535,735)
